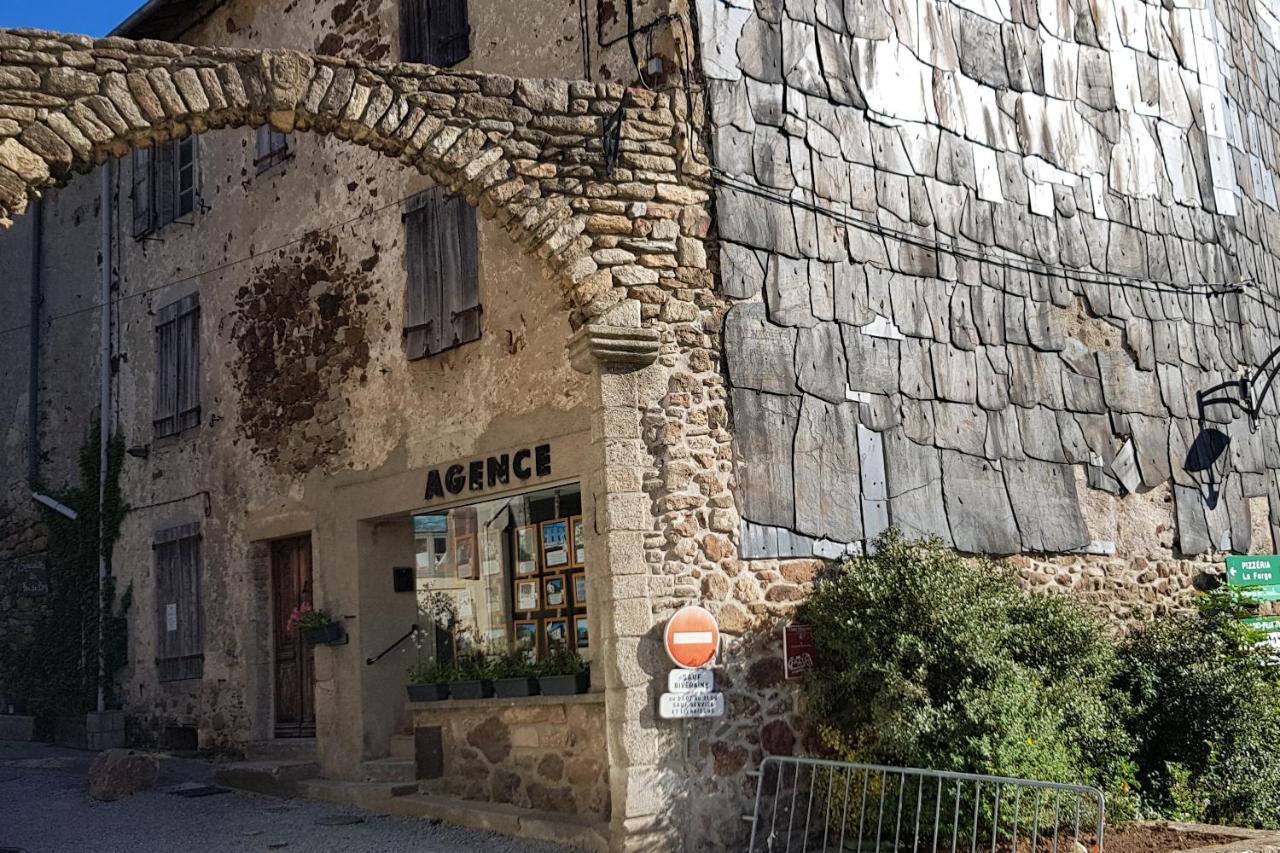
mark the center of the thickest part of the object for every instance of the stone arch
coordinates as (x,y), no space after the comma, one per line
(529,153)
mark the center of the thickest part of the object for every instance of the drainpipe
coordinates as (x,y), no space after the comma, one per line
(33,363)
(104,400)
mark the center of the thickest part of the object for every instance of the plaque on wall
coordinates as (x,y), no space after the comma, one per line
(28,576)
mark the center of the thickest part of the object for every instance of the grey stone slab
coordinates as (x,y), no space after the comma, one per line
(1004,438)
(1241,519)
(842,82)
(1015,317)
(873,363)
(1127,389)
(1151,447)
(1081,385)
(917,420)
(786,289)
(987,305)
(1044,330)
(771,157)
(874,485)
(867,19)
(792,544)
(765,427)
(992,385)
(741,271)
(851,298)
(1046,506)
(759,542)
(955,373)
(879,411)
(1256,485)
(1101,479)
(821,369)
(1035,378)
(977,503)
(1173,390)
(914,477)
(916,377)
(746,218)
(760,355)
(957,426)
(955,161)
(1094,79)
(1041,440)
(1075,445)
(760,50)
(822,294)
(1193,529)
(981,49)
(964,332)
(1125,467)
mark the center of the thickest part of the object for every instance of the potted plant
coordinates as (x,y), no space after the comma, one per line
(429,681)
(472,677)
(514,677)
(564,672)
(318,627)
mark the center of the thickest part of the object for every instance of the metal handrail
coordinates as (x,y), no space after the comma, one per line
(371,661)
(807,804)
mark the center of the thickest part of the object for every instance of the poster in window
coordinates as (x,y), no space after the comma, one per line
(466,558)
(527,639)
(527,595)
(526,551)
(491,558)
(557,633)
(581,634)
(555,592)
(579,546)
(579,589)
(555,543)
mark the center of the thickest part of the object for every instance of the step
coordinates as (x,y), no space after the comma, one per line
(389,770)
(274,778)
(281,749)
(591,835)
(402,746)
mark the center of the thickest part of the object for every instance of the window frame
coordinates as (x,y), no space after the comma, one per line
(179,574)
(165,184)
(277,150)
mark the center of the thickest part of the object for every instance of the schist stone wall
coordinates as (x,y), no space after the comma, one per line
(980,258)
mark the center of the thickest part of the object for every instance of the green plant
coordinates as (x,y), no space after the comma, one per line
(513,665)
(929,660)
(431,672)
(1204,715)
(473,666)
(562,661)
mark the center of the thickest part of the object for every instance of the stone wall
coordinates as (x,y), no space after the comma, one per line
(538,753)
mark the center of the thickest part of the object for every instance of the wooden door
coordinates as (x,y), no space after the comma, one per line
(295,703)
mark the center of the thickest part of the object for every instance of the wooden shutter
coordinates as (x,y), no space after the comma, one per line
(448,32)
(188,369)
(166,390)
(442,306)
(164,173)
(140,161)
(179,604)
(185,176)
(413,31)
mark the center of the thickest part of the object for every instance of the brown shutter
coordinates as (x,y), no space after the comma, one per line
(140,161)
(459,273)
(164,191)
(421,287)
(166,389)
(449,32)
(179,652)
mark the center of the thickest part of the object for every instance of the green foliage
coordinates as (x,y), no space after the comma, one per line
(931,661)
(562,661)
(514,664)
(56,673)
(430,672)
(1204,713)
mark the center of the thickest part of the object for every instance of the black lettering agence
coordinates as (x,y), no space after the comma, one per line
(542,460)
(476,475)
(499,469)
(435,486)
(493,471)
(455,479)
(520,465)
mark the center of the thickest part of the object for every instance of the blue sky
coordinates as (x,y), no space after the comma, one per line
(85,17)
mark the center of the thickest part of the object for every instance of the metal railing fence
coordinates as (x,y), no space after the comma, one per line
(808,805)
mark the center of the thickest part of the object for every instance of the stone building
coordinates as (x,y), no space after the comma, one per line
(825,267)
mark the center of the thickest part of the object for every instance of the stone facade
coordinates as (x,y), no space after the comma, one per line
(541,753)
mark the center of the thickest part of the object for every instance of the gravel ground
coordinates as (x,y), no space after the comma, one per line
(44,809)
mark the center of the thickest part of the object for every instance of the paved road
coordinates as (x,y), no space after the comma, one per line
(44,809)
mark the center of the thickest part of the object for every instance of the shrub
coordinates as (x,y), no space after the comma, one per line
(1204,715)
(932,661)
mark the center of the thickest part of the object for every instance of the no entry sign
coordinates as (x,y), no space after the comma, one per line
(692,637)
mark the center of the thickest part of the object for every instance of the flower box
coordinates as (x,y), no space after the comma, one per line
(330,634)
(479,689)
(515,688)
(565,685)
(427,692)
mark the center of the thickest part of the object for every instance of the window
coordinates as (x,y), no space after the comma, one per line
(434,31)
(165,184)
(442,297)
(178,367)
(273,148)
(508,574)
(179,615)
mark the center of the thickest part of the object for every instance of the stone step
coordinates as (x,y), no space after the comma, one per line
(389,770)
(402,746)
(495,817)
(274,778)
(282,749)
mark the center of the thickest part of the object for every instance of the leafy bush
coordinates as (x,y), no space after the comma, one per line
(931,661)
(562,661)
(1204,715)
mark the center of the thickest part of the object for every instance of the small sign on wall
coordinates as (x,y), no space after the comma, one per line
(28,576)
(799,650)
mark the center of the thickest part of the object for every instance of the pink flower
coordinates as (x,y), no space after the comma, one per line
(298,614)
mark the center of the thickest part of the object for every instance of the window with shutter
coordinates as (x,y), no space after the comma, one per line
(179,610)
(177,401)
(166,184)
(185,176)
(272,149)
(140,161)
(436,32)
(442,294)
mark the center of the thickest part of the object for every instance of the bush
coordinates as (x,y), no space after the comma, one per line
(931,661)
(1204,715)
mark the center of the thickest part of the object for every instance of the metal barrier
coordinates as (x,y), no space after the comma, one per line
(811,806)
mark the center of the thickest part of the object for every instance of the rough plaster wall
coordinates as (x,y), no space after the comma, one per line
(953,327)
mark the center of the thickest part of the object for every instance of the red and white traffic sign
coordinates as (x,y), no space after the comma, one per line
(692,637)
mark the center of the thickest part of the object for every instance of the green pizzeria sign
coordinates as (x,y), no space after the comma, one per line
(1257,575)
